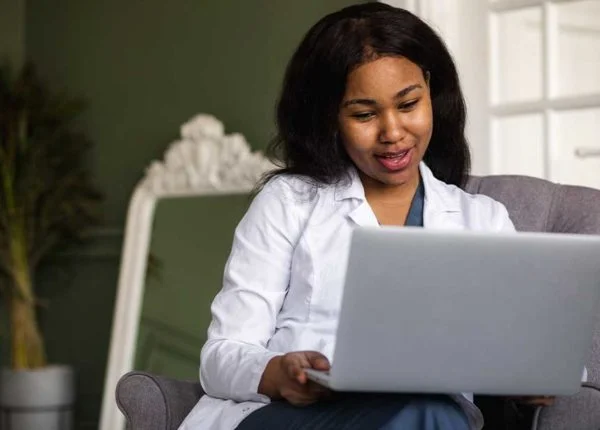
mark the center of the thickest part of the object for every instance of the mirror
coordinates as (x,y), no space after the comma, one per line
(178,235)
(190,241)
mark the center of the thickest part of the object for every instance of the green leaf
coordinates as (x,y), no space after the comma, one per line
(47,196)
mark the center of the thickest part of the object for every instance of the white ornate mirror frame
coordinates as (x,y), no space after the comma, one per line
(205,161)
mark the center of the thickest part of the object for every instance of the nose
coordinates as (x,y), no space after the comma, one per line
(391,128)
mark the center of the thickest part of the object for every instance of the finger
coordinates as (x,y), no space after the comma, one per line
(301,377)
(294,364)
(536,400)
(299,395)
(318,390)
(543,401)
(317,360)
(311,397)
(296,373)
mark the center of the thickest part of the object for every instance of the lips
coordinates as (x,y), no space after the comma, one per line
(394,161)
(392,154)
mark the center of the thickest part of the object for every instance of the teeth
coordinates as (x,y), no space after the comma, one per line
(398,155)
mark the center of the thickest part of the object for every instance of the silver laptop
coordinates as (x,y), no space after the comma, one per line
(448,312)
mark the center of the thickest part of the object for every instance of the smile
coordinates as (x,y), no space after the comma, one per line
(394,161)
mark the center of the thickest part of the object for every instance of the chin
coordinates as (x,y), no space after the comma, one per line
(402,177)
(394,180)
(390,179)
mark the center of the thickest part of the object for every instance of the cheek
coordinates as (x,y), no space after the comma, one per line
(422,123)
(357,138)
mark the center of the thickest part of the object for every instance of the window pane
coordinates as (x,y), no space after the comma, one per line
(578,60)
(572,130)
(519,145)
(517,55)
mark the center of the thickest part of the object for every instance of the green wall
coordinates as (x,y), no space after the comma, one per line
(145,68)
(12,31)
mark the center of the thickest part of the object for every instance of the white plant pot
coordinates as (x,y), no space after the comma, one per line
(37,399)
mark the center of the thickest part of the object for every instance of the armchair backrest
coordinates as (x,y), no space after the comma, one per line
(539,205)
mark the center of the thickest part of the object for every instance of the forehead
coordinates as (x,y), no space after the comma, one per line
(383,75)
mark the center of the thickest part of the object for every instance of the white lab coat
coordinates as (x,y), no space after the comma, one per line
(284,278)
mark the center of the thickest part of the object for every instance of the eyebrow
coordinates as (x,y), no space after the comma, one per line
(372,102)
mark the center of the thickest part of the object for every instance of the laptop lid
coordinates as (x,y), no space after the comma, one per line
(433,311)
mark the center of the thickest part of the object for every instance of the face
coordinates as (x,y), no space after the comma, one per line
(385,121)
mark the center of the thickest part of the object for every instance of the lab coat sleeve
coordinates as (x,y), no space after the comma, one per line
(501,220)
(255,282)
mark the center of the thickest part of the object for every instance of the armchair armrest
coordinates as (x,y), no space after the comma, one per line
(578,412)
(151,402)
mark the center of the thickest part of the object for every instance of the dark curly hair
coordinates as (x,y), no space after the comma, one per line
(307,140)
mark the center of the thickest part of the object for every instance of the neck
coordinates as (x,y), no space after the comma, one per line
(389,195)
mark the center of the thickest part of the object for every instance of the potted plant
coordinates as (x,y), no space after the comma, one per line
(46,199)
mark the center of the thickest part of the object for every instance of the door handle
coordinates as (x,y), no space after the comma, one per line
(587,152)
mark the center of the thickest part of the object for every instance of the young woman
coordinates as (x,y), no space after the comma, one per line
(371,132)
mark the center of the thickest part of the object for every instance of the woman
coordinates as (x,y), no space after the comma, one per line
(371,130)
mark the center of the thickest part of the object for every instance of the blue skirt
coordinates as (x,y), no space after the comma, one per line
(354,411)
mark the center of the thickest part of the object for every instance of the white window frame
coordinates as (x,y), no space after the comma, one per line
(550,103)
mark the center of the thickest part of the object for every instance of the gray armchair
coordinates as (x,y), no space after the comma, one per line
(151,402)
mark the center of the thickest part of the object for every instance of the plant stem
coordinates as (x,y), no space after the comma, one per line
(27,343)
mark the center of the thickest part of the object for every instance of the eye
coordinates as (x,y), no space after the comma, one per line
(363,116)
(408,105)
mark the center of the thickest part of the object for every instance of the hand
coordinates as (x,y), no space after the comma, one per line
(284,377)
(534,400)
